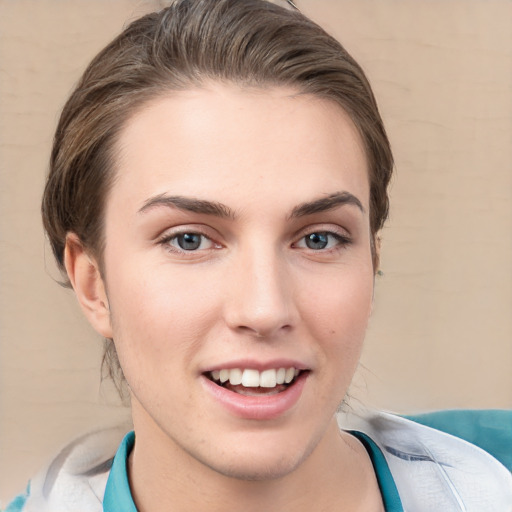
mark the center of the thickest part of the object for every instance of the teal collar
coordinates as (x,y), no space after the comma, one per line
(118,497)
(390,496)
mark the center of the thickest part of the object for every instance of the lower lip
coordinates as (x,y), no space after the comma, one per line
(257,407)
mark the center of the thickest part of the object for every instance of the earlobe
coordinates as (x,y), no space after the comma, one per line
(85,277)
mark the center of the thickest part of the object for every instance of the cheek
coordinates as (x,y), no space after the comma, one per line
(156,310)
(338,319)
(338,312)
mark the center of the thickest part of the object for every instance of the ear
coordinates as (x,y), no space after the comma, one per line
(85,277)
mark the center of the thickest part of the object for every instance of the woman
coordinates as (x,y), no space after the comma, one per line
(218,182)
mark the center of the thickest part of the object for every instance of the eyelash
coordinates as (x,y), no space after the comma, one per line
(341,241)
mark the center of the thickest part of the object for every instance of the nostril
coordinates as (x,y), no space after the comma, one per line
(263,332)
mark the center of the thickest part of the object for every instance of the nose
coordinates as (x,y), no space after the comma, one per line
(260,295)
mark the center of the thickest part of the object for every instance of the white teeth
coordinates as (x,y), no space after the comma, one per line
(251,378)
(268,379)
(290,374)
(235,376)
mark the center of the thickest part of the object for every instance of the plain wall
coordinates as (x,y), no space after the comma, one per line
(441,332)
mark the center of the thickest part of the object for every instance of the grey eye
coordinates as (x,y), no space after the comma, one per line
(189,241)
(317,241)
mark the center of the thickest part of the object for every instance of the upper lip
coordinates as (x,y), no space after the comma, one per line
(257,365)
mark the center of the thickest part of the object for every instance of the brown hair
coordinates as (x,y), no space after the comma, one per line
(246,42)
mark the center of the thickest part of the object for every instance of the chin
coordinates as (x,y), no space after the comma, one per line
(252,470)
(259,459)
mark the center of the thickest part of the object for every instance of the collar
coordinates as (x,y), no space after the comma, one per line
(434,470)
(118,497)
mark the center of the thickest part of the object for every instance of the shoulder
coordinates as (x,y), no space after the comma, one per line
(439,461)
(490,430)
(75,479)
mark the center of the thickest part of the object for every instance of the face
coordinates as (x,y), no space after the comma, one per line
(238,248)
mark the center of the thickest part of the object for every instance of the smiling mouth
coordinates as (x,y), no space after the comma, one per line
(250,382)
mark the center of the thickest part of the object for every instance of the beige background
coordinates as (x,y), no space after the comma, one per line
(441,334)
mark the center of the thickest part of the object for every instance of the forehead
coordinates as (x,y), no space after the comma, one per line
(229,143)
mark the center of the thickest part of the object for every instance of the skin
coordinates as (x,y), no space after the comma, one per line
(253,289)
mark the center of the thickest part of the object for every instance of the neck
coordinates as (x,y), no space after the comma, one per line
(337,475)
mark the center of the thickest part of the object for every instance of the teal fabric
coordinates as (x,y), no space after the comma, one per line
(18,503)
(390,496)
(118,497)
(490,429)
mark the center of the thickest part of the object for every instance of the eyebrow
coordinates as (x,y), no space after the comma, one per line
(326,203)
(190,204)
(217,209)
